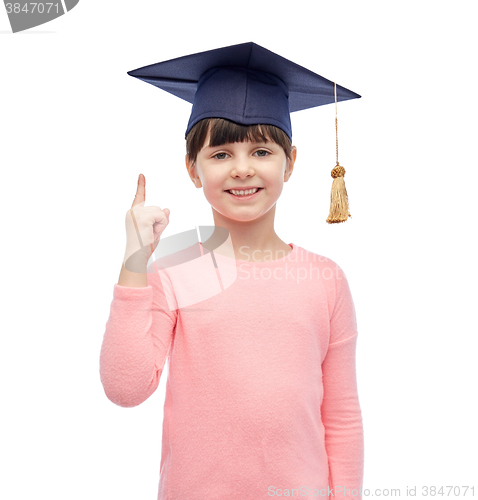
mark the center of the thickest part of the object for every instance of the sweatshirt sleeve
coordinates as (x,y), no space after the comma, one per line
(137,341)
(341,413)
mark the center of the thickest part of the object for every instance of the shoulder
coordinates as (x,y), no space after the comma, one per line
(328,267)
(327,274)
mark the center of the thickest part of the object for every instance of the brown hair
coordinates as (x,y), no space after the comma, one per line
(225,131)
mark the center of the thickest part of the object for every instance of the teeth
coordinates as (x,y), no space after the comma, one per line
(243,193)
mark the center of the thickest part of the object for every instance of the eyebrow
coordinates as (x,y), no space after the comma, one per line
(229,143)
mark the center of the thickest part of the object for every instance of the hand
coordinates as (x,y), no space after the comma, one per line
(144,226)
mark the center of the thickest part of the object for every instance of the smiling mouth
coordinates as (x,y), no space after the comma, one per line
(244,195)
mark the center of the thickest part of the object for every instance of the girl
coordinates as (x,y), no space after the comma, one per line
(261,395)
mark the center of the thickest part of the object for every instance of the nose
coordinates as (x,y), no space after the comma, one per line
(242,167)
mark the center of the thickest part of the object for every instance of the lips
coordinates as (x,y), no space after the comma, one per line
(245,197)
(243,189)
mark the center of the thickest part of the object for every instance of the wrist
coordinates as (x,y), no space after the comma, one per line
(136,262)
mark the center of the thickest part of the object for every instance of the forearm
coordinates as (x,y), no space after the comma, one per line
(127,361)
(342,419)
(131,279)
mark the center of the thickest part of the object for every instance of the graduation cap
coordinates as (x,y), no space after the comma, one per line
(249,84)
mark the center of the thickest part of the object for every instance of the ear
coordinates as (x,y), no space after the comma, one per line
(290,164)
(191,168)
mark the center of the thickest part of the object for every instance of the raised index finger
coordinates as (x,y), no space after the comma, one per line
(140,191)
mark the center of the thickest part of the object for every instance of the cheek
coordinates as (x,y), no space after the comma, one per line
(212,189)
(212,183)
(276,181)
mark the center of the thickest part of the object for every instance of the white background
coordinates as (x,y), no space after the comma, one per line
(76,131)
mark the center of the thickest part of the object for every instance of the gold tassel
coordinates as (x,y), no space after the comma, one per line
(339,202)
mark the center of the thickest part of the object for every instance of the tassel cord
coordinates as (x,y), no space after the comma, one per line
(339,208)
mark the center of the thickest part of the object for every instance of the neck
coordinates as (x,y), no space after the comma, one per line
(248,240)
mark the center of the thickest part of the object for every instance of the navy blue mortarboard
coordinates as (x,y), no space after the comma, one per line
(246,84)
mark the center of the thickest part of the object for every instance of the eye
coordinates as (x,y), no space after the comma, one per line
(262,152)
(220,156)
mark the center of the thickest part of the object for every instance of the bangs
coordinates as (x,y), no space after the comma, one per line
(224,131)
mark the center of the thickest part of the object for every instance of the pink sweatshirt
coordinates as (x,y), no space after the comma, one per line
(261,395)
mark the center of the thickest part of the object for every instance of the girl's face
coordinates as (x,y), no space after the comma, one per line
(240,166)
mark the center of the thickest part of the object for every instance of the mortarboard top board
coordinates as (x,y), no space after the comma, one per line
(245,83)
(249,84)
